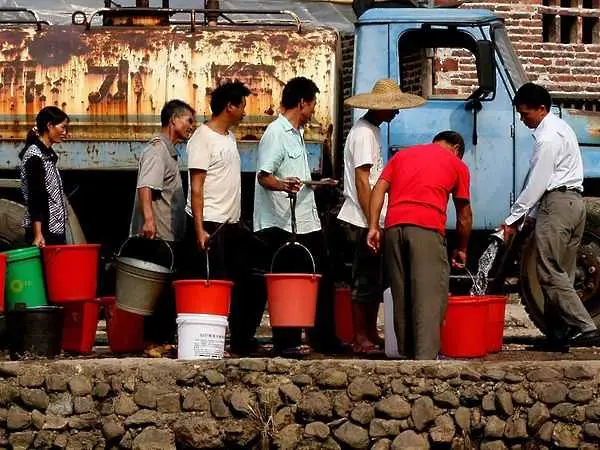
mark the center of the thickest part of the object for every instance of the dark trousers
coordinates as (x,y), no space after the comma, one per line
(558,231)
(293,259)
(418,271)
(230,258)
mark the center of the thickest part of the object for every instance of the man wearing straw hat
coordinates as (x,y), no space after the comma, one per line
(419,181)
(363,163)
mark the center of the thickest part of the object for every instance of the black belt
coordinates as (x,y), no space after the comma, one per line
(566,189)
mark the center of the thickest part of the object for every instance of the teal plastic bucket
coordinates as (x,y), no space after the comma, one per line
(24,279)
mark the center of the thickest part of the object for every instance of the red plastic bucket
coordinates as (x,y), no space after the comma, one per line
(292,299)
(79,326)
(2,280)
(464,329)
(344,329)
(125,330)
(203,297)
(495,330)
(71,271)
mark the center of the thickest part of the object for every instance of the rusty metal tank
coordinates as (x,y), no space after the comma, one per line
(112,76)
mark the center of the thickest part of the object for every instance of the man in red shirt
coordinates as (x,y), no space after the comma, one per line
(419,181)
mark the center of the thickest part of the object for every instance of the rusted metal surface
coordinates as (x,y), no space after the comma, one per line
(113,82)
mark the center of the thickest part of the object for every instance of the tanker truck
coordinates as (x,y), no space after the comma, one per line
(111,69)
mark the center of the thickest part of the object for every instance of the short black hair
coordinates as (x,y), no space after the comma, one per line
(297,89)
(452,138)
(230,92)
(533,95)
(174,108)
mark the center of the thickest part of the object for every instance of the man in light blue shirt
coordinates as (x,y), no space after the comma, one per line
(281,169)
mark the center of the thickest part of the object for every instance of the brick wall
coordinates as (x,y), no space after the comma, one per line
(558,41)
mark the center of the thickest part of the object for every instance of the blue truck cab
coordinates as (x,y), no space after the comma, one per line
(462,62)
(484,73)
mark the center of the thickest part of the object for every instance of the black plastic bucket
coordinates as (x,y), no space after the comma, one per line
(34,332)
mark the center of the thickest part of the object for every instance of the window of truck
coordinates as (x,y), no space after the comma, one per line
(438,63)
(510,60)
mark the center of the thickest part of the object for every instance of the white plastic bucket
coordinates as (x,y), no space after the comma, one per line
(201,336)
(391,344)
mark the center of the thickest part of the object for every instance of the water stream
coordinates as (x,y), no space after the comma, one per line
(486,261)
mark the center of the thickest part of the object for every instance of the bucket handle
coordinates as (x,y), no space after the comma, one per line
(288,244)
(157,238)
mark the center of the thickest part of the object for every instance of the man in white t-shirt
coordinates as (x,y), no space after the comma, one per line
(214,206)
(363,163)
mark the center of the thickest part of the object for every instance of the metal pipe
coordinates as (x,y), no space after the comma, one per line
(212,18)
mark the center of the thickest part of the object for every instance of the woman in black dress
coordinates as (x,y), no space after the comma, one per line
(46,217)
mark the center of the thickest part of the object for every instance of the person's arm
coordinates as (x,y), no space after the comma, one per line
(363,188)
(542,165)
(197,179)
(37,202)
(464,224)
(150,179)
(272,183)
(145,198)
(375,205)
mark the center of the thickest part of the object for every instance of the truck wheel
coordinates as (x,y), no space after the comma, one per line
(12,234)
(587,275)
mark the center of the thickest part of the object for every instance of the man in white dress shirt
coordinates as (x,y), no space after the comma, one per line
(553,196)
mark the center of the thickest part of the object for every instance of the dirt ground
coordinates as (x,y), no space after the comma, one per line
(520,335)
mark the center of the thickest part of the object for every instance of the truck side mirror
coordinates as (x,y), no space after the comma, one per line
(486,67)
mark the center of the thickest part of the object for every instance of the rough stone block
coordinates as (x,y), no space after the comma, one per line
(363,413)
(410,439)
(155,439)
(195,400)
(333,379)
(363,388)
(169,403)
(422,412)
(290,393)
(80,386)
(18,418)
(394,407)
(352,435)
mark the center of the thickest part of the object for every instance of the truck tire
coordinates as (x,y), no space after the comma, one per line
(587,275)
(12,234)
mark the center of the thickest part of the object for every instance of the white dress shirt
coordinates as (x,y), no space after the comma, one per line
(556,162)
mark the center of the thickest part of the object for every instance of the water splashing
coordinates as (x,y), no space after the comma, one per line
(485,265)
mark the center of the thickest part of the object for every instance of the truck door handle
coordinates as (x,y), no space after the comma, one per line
(474,104)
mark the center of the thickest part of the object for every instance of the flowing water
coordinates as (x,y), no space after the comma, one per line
(486,261)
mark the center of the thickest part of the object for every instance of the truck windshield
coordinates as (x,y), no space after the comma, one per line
(510,60)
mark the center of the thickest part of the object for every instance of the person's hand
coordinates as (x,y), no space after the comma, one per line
(149,229)
(509,231)
(202,240)
(374,239)
(459,259)
(39,241)
(291,185)
(529,223)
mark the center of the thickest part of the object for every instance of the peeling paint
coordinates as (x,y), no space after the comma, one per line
(113,81)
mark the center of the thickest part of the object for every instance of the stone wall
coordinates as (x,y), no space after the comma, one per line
(276,403)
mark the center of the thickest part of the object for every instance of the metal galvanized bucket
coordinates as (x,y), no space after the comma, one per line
(139,284)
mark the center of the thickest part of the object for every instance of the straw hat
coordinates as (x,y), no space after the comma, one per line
(386,94)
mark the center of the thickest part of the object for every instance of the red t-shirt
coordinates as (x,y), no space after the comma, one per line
(421,180)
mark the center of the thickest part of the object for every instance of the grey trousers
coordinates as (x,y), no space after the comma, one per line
(558,232)
(418,271)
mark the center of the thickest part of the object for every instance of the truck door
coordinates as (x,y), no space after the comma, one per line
(454,69)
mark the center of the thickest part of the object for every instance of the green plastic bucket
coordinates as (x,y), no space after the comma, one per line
(24,279)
